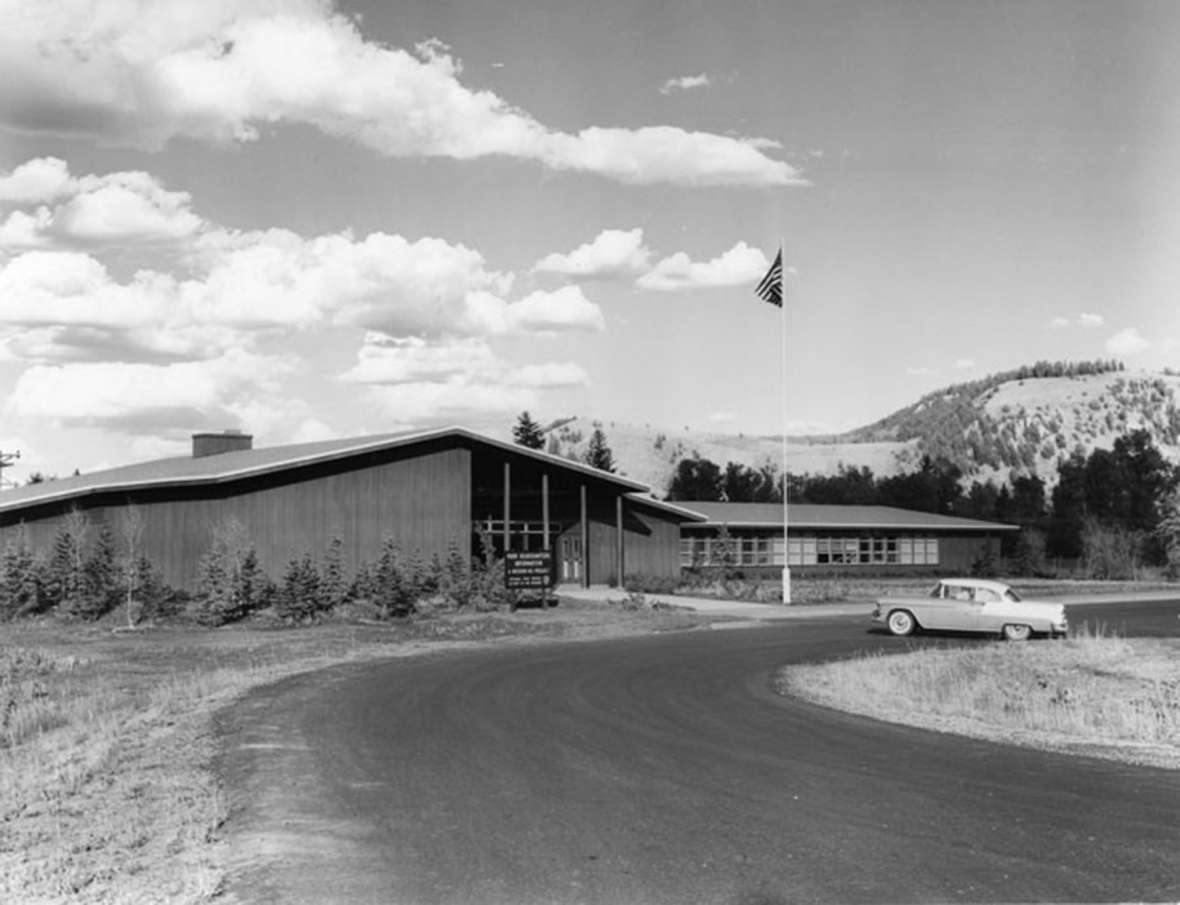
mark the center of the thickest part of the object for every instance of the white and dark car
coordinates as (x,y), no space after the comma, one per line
(972,605)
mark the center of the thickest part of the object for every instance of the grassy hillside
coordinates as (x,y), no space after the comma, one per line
(1021,422)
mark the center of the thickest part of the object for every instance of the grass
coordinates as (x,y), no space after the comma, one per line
(107,793)
(1093,693)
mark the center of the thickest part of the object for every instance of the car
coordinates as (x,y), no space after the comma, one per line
(972,605)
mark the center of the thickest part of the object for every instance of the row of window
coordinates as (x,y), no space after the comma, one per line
(809,551)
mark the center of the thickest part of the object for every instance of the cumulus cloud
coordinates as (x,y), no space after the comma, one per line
(741,264)
(66,305)
(112,209)
(139,396)
(684,83)
(143,72)
(394,360)
(612,254)
(1127,342)
(35,181)
(415,380)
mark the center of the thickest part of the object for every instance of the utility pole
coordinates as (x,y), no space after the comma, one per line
(6,460)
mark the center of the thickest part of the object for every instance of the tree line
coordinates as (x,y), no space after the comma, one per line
(1114,510)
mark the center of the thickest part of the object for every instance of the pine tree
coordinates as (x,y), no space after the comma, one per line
(528,433)
(20,580)
(333,587)
(100,582)
(598,453)
(230,582)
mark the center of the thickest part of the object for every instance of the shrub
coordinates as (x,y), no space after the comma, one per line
(65,573)
(230,583)
(1110,551)
(390,588)
(299,596)
(100,586)
(334,589)
(651,584)
(20,578)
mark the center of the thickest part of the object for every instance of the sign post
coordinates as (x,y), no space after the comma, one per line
(529,571)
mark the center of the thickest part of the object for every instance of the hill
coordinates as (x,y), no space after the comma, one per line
(1015,423)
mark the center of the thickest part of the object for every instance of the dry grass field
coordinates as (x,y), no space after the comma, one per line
(106,746)
(1093,693)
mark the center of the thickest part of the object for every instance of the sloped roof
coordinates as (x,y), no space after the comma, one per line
(813,515)
(239,464)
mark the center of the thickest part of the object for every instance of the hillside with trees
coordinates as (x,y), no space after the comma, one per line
(1024,422)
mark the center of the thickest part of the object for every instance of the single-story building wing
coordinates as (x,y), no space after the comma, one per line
(835,538)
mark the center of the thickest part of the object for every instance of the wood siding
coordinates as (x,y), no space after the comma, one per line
(422,501)
(651,543)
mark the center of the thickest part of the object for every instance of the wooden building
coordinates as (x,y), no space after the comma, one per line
(823,538)
(427,490)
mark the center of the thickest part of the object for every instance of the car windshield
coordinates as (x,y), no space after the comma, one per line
(1011,596)
(936,591)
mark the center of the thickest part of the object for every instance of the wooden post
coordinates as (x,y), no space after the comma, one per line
(619,539)
(507,503)
(545,528)
(585,539)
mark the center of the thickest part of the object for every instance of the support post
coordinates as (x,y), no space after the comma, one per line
(507,504)
(585,519)
(545,528)
(619,540)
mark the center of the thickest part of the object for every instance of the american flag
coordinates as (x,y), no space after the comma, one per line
(771,287)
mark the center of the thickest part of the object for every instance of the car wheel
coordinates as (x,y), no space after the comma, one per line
(901,622)
(1016,632)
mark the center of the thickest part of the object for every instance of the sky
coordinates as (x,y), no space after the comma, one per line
(308,220)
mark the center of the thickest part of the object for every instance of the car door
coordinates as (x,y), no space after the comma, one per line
(992,611)
(953,611)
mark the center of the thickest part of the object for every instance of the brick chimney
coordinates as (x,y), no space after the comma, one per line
(213,444)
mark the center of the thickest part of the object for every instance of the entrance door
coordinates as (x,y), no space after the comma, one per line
(571,558)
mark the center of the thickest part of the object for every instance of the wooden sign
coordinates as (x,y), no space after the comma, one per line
(532,570)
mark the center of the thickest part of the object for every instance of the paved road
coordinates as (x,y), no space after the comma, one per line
(665,770)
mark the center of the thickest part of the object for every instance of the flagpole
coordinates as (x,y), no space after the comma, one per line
(786,519)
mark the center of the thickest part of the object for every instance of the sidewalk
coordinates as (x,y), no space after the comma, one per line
(763,612)
(737,609)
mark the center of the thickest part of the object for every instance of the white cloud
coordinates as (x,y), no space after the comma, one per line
(143,73)
(741,264)
(384,359)
(389,360)
(65,305)
(415,381)
(1127,342)
(685,83)
(562,311)
(113,209)
(919,371)
(1059,322)
(612,254)
(147,397)
(964,364)
(454,401)
(35,181)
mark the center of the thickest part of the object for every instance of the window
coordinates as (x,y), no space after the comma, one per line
(868,549)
